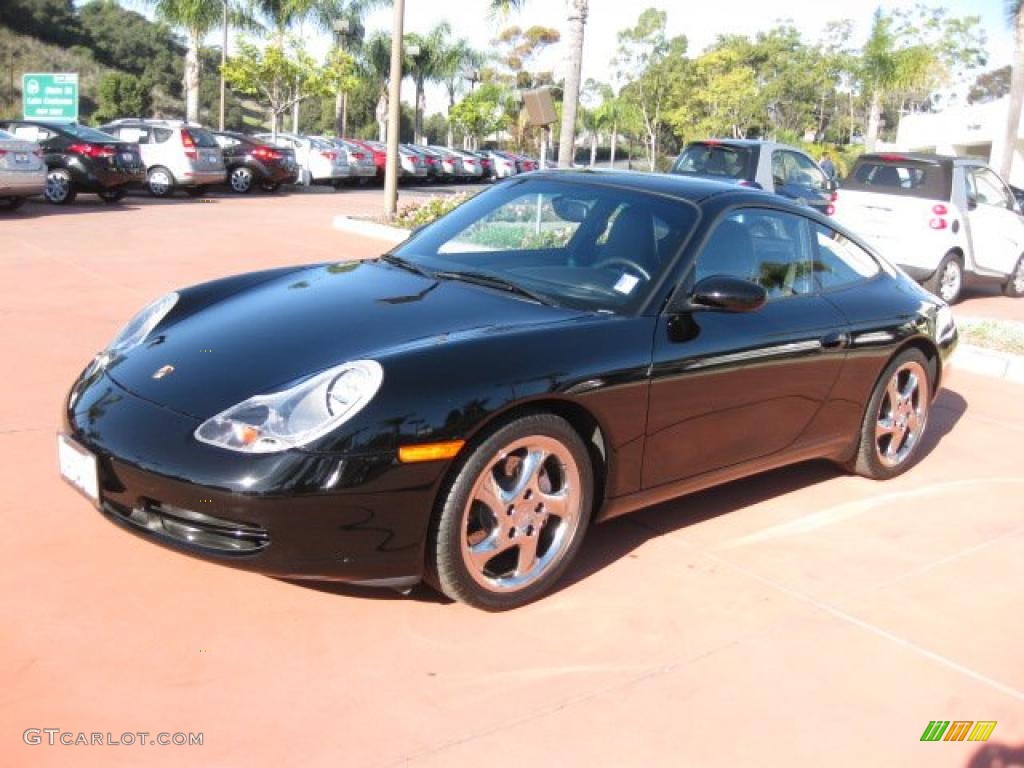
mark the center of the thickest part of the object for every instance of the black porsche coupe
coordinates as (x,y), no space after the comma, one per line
(561,349)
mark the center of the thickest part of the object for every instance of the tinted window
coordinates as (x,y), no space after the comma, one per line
(766,247)
(202,138)
(137,134)
(839,261)
(162,134)
(716,160)
(31,132)
(585,246)
(795,168)
(87,134)
(901,176)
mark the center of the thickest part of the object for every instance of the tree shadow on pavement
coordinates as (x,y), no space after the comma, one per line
(997,756)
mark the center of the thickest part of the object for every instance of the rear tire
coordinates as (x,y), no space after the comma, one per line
(111,196)
(896,418)
(160,182)
(60,187)
(514,517)
(1014,287)
(948,281)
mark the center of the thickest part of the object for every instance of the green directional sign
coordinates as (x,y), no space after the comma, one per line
(52,96)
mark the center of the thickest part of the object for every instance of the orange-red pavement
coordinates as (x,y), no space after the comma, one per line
(801,618)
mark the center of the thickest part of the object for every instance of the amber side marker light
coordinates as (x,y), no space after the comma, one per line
(409,454)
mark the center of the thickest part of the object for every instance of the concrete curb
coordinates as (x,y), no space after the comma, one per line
(372,229)
(989,362)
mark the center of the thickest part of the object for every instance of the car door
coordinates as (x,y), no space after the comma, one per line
(996,231)
(730,388)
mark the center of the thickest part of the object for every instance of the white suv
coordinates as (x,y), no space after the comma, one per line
(176,154)
(944,220)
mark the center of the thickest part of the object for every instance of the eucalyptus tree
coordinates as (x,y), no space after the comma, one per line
(576,20)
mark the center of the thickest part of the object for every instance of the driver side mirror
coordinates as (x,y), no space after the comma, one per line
(723,293)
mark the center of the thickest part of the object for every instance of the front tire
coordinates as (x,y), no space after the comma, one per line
(160,182)
(514,516)
(896,418)
(1014,287)
(948,281)
(60,188)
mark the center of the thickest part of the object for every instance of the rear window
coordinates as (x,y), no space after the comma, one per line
(87,134)
(906,177)
(717,160)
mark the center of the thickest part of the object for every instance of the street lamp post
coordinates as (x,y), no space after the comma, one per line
(394,112)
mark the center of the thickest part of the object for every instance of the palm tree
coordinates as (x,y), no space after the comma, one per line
(426,65)
(344,19)
(1015,11)
(886,69)
(375,63)
(576,20)
(197,18)
(455,61)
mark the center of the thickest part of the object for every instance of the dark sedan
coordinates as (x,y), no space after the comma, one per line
(561,349)
(81,159)
(251,163)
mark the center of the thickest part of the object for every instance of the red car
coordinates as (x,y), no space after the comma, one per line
(379,152)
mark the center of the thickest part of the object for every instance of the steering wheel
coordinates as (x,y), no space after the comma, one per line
(620,262)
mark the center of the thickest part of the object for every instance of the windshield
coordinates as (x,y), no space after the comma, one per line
(716,160)
(575,244)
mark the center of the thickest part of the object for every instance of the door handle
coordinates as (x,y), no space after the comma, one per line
(835,340)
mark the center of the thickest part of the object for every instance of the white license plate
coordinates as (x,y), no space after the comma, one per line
(78,467)
(21,157)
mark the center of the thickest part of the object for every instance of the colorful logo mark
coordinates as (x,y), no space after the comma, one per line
(958,730)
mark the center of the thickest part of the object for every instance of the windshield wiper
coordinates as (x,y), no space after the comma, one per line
(495,281)
(405,264)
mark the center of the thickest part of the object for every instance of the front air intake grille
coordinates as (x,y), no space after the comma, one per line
(196,529)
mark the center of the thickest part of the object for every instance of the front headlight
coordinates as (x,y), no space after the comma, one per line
(140,326)
(298,415)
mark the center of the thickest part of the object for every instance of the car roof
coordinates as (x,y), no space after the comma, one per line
(692,188)
(919,157)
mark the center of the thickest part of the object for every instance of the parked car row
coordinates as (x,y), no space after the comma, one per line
(62,160)
(946,221)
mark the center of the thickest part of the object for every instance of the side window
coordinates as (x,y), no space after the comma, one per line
(767,247)
(989,189)
(32,133)
(162,134)
(838,261)
(779,168)
(134,133)
(807,172)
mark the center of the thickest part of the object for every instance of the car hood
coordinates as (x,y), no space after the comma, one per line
(274,333)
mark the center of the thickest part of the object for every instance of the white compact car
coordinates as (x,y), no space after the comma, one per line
(944,220)
(177,155)
(361,167)
(22,170)
(319,161)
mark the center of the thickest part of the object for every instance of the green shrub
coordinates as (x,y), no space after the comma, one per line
(417,214)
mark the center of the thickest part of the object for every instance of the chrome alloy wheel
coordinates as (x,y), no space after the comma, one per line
(950,281)
(241,180)
(902,414)
(522,515)
(58,186)
(160,182)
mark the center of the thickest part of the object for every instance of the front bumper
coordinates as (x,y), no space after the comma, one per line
(353,518)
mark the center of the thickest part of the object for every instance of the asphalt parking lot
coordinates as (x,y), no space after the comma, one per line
(800,618)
